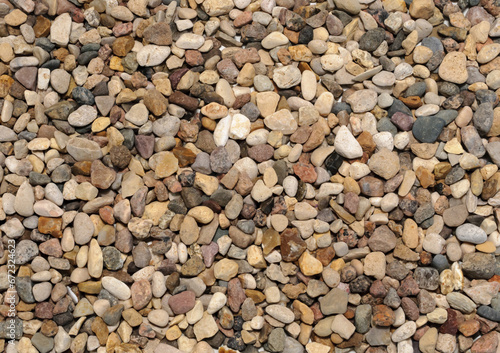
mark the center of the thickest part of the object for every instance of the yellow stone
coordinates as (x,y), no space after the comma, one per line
(470,48)
(166,165)
(354,69)
(202,214)
(454,146)
(136,167)
(248,337)
(100,124)
(358,227)
(309,265)
(486,247)
(115,138)
(127,348)
(208,184)
(350,185)
(163,86)
(126,95)
(154,211)
(37,164)
(488,171)
(410,233)
(441,169)
(255,295)
(255,257)
(116,64)
(6,52)
(350,29)
(337,265)
(476,183)
(24,271)
(306,314)
(477,86)
(337,179)
(173,333)
(495,128)
(90,287)
(132,317)
(270,240)
(275,138)
(394,5)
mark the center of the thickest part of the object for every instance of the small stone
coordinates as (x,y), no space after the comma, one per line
(346,145)
(452,68)
(471,233)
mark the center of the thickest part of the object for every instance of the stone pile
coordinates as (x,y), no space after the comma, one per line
(270,175)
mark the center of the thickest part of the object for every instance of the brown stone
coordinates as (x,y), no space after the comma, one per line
(155,102)
(50,226)
(100,329)
(469,327)
(365,139)
(292,245)
(42,27)
(123,45)
(159,34)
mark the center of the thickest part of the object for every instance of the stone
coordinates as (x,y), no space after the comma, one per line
(346,145)
(452,68)
(471,233)
(335,302)
(362,101)
(60,30)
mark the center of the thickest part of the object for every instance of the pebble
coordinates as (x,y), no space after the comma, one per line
(346,145)
(471,234)
(452,68)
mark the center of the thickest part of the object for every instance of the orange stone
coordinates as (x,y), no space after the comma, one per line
(425,177)
(50,226)
(383,315)
(412,102)
(291,35)
(486,247)
(495,278)
(5,84)
(469,327)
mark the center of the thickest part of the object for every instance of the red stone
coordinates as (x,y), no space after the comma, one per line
(408,287)
(451,324)
(305,170)
(106,214)
(235,294)
(183,302)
